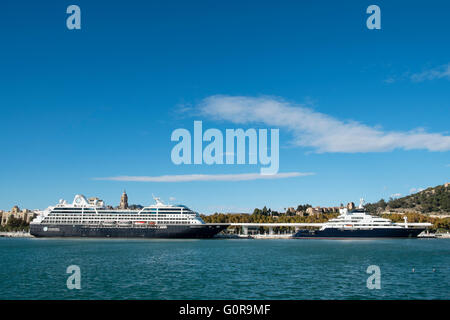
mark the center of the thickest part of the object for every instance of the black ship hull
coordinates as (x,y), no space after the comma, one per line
(200,231)
(335,233)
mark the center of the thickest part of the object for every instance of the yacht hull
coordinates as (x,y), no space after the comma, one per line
(170,231)
(336,233)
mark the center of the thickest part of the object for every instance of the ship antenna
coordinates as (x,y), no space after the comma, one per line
(361,203)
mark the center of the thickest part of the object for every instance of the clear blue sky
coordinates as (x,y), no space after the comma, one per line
(103,101)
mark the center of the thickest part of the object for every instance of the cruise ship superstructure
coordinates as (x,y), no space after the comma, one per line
(83,218)
(357,223)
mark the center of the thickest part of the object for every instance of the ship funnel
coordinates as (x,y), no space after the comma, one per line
(157,200)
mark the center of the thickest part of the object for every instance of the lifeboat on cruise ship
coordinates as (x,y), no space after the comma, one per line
(108,223)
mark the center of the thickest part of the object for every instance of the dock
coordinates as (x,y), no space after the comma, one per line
(15,234)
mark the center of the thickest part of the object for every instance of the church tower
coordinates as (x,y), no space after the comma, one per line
(123,201)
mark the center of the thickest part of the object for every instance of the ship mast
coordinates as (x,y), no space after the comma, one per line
(361,203)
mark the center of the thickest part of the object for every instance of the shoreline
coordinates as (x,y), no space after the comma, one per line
(21,234)
(15,234)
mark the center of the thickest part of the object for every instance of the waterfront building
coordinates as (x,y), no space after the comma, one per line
(25,214)
(290,211)
(300,213)
(123,201)
(313,211)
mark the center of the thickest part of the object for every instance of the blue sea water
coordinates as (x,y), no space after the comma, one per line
(224,269)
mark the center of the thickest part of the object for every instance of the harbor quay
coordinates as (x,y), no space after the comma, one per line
(253,229)
(246,231)
(15,234)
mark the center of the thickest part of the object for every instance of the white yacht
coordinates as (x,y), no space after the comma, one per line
(358,224)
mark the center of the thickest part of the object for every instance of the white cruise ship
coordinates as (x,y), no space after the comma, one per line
(92,218)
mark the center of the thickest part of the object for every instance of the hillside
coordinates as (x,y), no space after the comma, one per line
(435,200)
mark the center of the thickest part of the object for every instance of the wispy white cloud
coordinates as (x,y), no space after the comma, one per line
(390,80)
(183,108)
(396,195)
(317,130)
(207,177)
(439,72)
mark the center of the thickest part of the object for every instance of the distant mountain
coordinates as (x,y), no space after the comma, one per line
(432,200)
